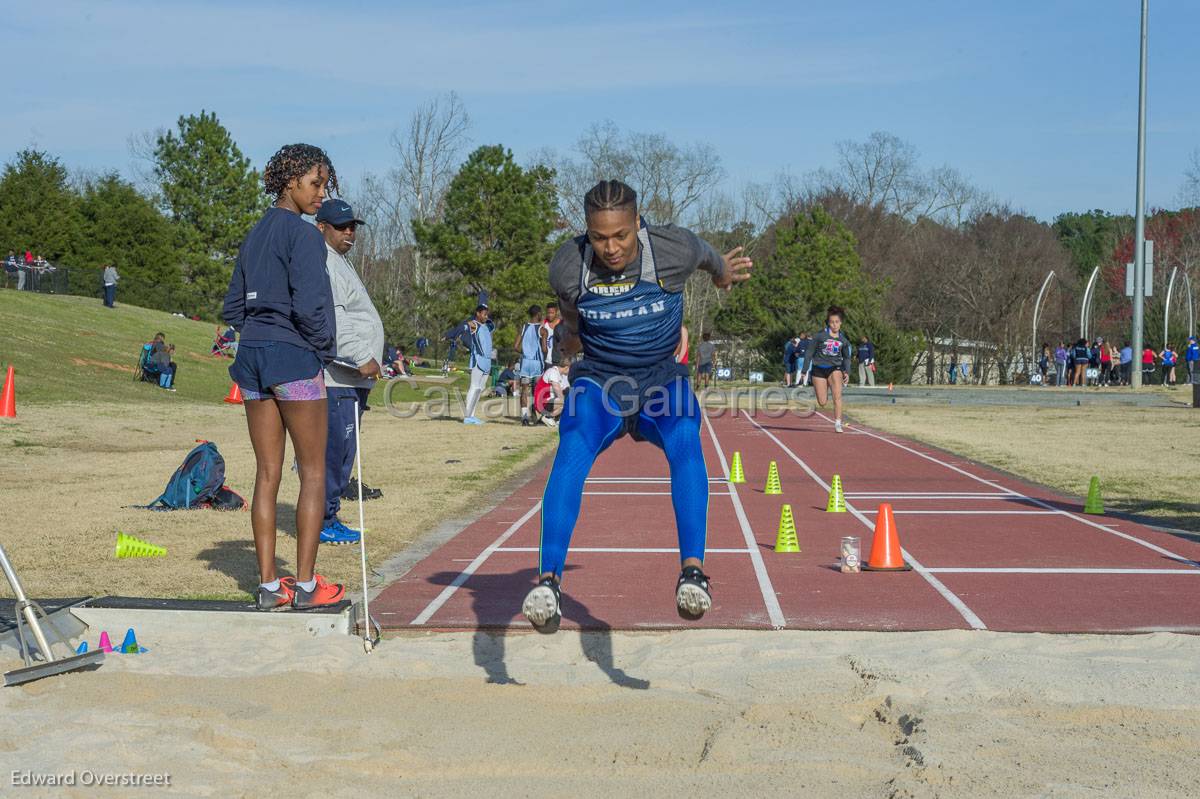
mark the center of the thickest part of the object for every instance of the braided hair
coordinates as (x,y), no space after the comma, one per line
(610,195)
(293,161)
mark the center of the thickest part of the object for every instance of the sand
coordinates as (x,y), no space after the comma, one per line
(729,713)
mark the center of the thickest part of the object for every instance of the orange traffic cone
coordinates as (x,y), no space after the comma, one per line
(8,399)
(235,395)
(885,549)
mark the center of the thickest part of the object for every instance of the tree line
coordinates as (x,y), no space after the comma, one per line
(922,260)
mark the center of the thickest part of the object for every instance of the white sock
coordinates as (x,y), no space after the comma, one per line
(271,586)
(525,412)
(308,587)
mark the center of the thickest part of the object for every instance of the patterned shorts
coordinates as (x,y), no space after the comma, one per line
(312,388)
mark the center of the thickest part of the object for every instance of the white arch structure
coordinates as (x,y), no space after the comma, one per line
(1191,306)
(1037,312)
(1085,307)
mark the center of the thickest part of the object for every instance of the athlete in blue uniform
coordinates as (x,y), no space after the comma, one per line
(620,291)
(534,346)
(477,332)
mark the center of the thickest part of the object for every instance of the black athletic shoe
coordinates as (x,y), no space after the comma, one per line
(351,492)
(692,597)
(543,606)
(525,421)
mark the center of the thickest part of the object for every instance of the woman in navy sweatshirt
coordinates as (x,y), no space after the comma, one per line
(828,361)
(280,302)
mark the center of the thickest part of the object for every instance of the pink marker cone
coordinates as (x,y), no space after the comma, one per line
(105,644)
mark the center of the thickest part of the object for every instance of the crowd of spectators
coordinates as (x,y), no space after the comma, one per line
(24,273)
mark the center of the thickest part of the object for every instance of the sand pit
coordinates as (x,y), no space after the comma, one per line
(733,713)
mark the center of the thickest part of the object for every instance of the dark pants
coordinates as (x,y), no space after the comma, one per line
(110,295)
(340,447)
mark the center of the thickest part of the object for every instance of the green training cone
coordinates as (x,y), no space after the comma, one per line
(1094,503)
(130,547)
(736,475)
(773,486)
(785,539)
(837,500)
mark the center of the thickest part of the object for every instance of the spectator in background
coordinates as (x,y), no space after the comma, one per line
(1061,356)
(13,269)
(109,279)
(791,353)
(953,368)
(1106,369)
(1044,363)
(866,362)
(506,382)
(801,353)
(681,349)
(550,322)
(394,364)
(1080,355)
(550,393)
(1190,356)
(422,343)
(705,353)
(164,364)
(1169,359)
(1126,364)
(1148,360)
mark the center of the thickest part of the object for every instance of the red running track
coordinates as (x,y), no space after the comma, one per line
(989,551)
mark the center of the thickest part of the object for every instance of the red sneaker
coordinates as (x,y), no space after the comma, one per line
(323,594)
(277,600)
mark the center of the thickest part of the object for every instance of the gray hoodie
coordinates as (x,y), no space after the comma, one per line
(359,328)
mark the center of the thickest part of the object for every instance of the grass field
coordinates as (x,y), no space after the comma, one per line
(88,442)
(1147,459)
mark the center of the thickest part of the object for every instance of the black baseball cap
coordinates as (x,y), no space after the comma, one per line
(337,212)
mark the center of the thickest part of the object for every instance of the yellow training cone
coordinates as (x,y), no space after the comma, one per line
(736,475)
(773,486)
(837,500)
(130,547)
(1094,503)
(785,539)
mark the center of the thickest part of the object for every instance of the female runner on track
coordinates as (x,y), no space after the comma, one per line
(828,361)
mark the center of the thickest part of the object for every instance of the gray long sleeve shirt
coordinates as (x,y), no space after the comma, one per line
(359,328)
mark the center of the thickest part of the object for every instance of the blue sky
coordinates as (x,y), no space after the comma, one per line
(1035,101)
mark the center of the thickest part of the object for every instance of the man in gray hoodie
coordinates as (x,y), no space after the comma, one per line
(110,279)
(353,372)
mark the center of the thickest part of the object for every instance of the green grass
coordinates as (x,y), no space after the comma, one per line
(73,349)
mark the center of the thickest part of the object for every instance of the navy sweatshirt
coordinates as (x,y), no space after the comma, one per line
(280,290)
(828,350)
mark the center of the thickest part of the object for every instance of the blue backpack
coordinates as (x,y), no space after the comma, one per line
(196,482)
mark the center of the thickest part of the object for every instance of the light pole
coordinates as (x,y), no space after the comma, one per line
(1139,234)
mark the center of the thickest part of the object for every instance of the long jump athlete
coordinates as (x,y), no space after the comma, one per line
(620,291)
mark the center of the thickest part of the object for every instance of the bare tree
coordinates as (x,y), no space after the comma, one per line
(670,179)
(1189,195)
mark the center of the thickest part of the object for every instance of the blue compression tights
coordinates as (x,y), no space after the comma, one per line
(589,424)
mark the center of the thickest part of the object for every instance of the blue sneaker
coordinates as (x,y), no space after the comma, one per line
(472,420)
(337,533)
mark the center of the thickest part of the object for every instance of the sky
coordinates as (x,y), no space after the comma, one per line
(1034,101)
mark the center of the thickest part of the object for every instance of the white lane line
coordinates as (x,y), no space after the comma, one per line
(1059,511)
(447,592)
(954,570)
(774,612)
(971,512)
(964,611)
(919,494)
(642,480)
(625,550)
(648,493)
